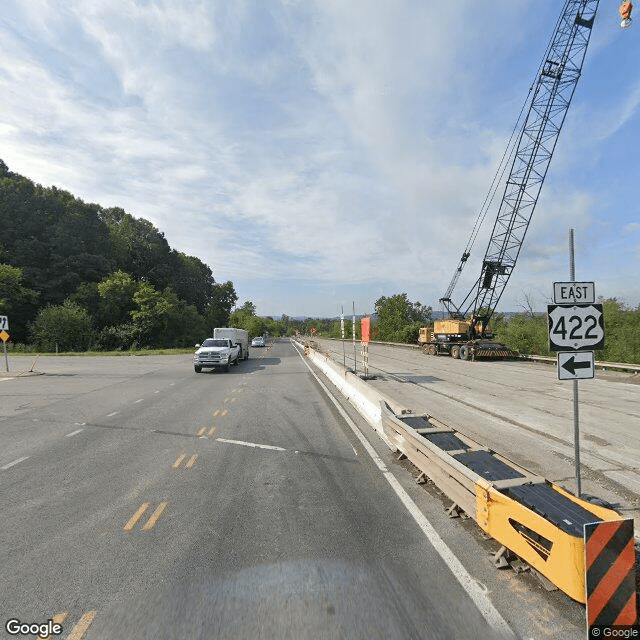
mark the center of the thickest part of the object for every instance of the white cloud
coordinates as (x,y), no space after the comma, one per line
(292,141)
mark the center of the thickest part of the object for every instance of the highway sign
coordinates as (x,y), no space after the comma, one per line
(579,327)
(576,365)
(4,323)
(574,292)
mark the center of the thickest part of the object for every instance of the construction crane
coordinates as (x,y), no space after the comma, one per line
(528,155)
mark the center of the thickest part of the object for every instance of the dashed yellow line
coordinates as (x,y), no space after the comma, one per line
(136,516)
(176,464)
(83,624)
(58,618)
(192,461)
(216,413)
(212,431)
(154,516)
(201,431)
(224,413)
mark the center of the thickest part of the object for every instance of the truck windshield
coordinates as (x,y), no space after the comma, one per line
(210,342)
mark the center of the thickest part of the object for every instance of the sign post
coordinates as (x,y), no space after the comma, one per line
(365,332)
(4,336)
(344,354)
(575,322)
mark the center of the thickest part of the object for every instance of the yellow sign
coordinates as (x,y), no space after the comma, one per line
(4,335)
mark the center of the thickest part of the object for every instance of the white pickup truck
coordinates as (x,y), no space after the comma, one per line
(216,353)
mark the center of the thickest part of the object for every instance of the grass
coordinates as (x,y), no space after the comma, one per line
(132,352)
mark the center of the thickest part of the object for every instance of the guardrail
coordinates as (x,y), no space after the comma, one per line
(635,368)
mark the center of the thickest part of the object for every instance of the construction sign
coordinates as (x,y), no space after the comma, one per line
(610,574)
(365,330)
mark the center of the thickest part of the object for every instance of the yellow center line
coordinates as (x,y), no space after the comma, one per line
(212,431)
(202,430)
(226,400)
(192,461)
(83,624)
(57,619)
(216,412)
(136,516)
(176,464)
(154,516)
(224,413)
(232,400)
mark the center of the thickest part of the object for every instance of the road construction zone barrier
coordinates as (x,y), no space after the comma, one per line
(538,521)
(610,580)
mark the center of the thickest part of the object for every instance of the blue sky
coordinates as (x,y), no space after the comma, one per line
(322,152)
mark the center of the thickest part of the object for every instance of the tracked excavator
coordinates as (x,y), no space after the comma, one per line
(466,332)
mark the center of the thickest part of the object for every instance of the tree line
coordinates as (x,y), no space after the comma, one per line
(397,319)
(75,275)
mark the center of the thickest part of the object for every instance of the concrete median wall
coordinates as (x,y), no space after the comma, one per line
(363,398)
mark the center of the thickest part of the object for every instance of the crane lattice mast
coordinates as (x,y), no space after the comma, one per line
(551,96)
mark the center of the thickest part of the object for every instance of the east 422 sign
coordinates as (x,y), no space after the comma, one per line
(579,327)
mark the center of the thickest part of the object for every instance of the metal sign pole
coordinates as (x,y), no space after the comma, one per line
(344,353)
(6,360)
(576,420)
(353,327)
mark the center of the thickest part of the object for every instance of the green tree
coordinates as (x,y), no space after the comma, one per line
(16,301)
(152,315)
(399,319)
(116,293)
(218,310)
(240,319)
(192,280)
(256,326)
(65,327)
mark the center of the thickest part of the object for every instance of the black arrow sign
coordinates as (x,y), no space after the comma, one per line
(571,365)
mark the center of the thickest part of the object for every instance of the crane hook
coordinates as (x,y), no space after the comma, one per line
(625,14)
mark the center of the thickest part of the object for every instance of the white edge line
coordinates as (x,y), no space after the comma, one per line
(111,414)
(468,583)
(73,433)
(251,444)
(11,464)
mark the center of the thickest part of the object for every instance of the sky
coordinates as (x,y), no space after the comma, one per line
(321,154)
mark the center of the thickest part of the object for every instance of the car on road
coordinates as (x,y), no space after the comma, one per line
(258,342)
(216,353)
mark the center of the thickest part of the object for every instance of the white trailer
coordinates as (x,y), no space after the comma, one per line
(237,336)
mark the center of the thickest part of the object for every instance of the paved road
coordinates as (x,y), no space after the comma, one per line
(142,500)
(523,411)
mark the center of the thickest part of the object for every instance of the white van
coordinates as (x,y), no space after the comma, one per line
(237,336)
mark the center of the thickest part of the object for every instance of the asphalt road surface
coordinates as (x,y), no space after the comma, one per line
(139,499)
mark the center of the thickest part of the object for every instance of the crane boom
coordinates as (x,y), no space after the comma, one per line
(551,96)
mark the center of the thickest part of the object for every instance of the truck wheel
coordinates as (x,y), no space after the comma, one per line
(433,350)
(464,352)
(197,368)
(455,352)
(226,368)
